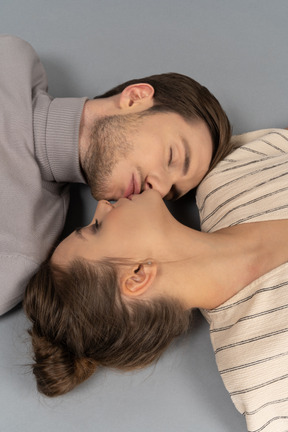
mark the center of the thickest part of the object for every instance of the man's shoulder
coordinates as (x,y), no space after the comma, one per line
(18,58)
(11,42)
(21,71)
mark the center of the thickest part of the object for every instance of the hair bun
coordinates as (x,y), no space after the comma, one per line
(56,369)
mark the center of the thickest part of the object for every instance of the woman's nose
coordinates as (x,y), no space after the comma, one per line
(103,208)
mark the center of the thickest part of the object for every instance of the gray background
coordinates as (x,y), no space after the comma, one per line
(238,49)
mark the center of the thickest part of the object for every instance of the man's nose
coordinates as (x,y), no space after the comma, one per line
(162,184)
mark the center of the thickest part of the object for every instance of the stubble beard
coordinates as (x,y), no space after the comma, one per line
(109,143)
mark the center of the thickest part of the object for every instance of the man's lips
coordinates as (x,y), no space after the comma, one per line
(133,188)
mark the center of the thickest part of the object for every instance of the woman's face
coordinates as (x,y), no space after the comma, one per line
(130,228)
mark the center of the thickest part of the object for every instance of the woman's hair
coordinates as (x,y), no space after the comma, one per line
(80,321)
(181,94)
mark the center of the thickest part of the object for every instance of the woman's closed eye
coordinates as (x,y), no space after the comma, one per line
(94,228)
(96,225)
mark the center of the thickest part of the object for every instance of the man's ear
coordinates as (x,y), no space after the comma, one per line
(136,280)
(137,95)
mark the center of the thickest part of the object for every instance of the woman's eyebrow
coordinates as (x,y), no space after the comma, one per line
(79,234)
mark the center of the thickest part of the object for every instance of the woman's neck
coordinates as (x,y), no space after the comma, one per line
(211,268)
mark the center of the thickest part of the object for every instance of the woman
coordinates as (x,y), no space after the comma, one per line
(117,292)
(249,332)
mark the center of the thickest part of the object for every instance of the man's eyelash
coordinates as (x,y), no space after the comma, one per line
(171,157)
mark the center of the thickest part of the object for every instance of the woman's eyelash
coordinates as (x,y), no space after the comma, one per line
(94,227)
(97,225)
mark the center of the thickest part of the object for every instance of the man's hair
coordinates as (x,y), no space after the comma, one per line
(181,94)
(80,321)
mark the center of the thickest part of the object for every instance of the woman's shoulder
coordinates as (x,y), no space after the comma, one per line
(269,142)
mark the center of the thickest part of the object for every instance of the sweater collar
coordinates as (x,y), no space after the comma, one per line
(56,137)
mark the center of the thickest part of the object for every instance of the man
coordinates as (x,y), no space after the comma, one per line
(163,132)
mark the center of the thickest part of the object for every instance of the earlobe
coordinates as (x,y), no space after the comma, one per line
(137,94)
(139,279)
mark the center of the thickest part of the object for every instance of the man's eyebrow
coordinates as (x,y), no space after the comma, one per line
(186,164)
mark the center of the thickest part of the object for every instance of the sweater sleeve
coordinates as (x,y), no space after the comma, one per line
(32,213)
(15,272)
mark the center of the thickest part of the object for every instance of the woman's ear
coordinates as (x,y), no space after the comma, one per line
(137,95)
(138,279)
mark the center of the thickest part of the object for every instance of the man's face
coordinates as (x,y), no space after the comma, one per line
(132,153)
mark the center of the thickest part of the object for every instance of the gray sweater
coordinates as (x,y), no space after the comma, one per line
(38,157)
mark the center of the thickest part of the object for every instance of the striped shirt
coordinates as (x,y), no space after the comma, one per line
(249,332)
